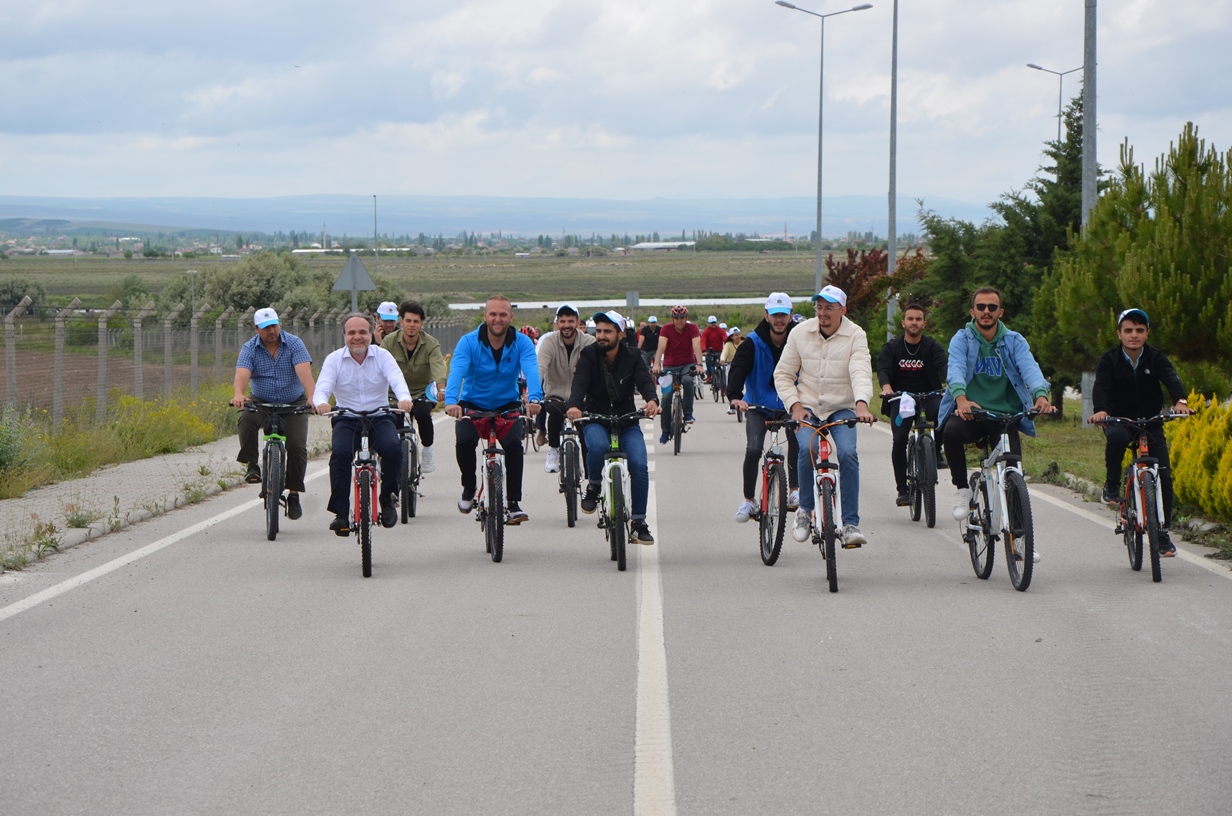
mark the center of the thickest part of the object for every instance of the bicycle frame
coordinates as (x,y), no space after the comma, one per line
(825,470)
(1144,463)
(994,468)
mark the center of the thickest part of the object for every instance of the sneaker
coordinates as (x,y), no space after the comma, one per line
(591,500)
(852,537)
(253,475)
(427,462)
(941,463)
(962,503)
(903,499)
(466,502)
(689,418)
(745,510)
(1110,496)
(641,533)
(1166,548)
(294,511)
(552,463)
(515,515)
(389,513)
(803,527)
(731,410)
(1035,556)
(664,438)
(341,525)
(793,498)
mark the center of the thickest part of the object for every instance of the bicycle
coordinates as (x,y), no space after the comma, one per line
(718,377)
(921,458)
(569,475)
(1000,506)
(490,487)
(827,518)
(530,442)
(771,511)
(615,495)
(365,485)
(274,457)
(409,476)
(678,424)
(1141,509)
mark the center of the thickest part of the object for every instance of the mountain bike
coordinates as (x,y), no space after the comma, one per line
(1000,506)
(490,486)
(365,484)
(616,492)
(827,519)
(679,379)
(570,469)
(771,506)
(921,458)
(1141,509)
(718,377)
(409,476)
(274,457)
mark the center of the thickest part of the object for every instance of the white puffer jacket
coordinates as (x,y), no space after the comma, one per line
(825,374)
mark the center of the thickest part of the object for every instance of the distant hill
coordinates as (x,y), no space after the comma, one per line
(449,215)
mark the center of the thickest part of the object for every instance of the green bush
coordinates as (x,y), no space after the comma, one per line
(1201,452)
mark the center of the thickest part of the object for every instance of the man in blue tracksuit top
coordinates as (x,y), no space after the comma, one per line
(483,376)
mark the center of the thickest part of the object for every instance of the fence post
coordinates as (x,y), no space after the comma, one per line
(100,409)
(57,388)
(218,341)
(10,349)
(139,350)
(192,346)
(167,321)
(311,342)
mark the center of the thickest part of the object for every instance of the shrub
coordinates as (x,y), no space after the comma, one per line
(1201,452)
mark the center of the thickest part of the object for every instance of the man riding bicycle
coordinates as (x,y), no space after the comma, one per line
(483,376)
(680,354)
(608,374)
(558,358)
(713,338)
(418,355)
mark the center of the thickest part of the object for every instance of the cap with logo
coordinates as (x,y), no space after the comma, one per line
(652,319)
(566,309)
(712,319)
(1121,317)
(612,317)
(778,303)
(264,318)
(387,311)
(831,294)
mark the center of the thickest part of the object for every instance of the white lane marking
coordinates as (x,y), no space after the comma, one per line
(654,776)
(111,566)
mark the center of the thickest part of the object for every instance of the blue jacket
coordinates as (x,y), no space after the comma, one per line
(478,380)
(1020,368)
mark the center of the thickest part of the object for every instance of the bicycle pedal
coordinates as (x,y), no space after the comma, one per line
(1120,529)
(847,546)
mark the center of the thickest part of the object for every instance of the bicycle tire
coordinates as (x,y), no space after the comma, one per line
(412,501)
(404,481)
(980,540)
(926,474)
(829,534)
(569,477)
(273,490)
(913,481)
(1130,531)
(1020,533)
(496,511)
(1151,523)
(739,415)
(774,517)
(677,423)
(618,525)
(365,521)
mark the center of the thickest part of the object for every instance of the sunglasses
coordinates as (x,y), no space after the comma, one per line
(987,307)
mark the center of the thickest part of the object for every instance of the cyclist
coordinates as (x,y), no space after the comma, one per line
(825,373)
(734,339)
(713,339)
(278,368)
(386,321)
(648,339)
(360,376)
(1128,383)
(751,380)
(992,368)
(483,375)
(608,373)
(679,352)
(558,359)
(913,362)
(419,356)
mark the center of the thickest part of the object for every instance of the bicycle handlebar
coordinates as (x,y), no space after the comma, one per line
(1004,419)
(288,408)
(342,410)
(639,414)
(1141,422)
(915,395)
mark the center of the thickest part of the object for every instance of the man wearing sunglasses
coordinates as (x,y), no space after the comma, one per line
(991,368)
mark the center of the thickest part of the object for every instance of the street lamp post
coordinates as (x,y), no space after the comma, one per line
(1060,75)
(821,93)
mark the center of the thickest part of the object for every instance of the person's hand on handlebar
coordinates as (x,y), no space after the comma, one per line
(323,409)
(963,406)
(533,409)
(862,413)
(740,404)
(1098,417)
(238,400)
(651,409)
(454,411)
(1044,406)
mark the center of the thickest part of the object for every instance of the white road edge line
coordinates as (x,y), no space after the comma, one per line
(654,776)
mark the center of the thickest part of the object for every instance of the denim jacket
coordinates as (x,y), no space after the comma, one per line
(1020,368)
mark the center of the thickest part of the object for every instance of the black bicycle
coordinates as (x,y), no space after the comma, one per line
(409,476)
(922,458)
(274,457)
(771,507)
(570,474)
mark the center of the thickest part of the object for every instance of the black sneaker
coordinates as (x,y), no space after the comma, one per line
(253,476)
(515,515)
(591,500)
(641,533)
(903,499)
(294,511)
(941,463)
(1110,495)
(1166,548)
(341,525)
(389,513)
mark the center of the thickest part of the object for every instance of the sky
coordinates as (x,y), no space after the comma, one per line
(631,100)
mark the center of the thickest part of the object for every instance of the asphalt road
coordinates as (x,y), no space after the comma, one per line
(216,672)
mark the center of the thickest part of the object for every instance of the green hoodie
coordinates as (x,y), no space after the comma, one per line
(989,387)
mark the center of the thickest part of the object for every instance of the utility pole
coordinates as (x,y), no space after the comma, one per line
(1089,189)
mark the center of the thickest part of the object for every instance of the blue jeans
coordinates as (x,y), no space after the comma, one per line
(844,440)
(682,374)
(598,440)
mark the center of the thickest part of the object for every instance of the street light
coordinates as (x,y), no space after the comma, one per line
(821,93)
(1060,82)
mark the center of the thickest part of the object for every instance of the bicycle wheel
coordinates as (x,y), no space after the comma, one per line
(913,481)
(1151,523)
(404,480)
(365,521)
(411,499)
(569,479)
(1131,532)
(774,517)
(1019,535)
(926,478)
(495,527)
(739,415)
(980,539)
(272,489)
(677,422)
(618,525)
(829,534)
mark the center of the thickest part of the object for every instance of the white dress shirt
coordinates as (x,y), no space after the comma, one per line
(360,386)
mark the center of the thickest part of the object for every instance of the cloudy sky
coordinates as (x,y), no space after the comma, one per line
(631,99)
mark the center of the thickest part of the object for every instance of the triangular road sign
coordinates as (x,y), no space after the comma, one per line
(354,277)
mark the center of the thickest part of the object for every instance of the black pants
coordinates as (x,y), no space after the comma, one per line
(755,442)
(1119,438)
(960,432)
(468,438)
(296,428)
(382,440)
(422,411)
(898,451)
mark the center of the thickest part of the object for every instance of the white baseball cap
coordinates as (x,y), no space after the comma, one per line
(387,311)
(264,318)
(652,319)
(611,317)
(832,294)
(778,303)
(712,319)
(568,308)
(723,326)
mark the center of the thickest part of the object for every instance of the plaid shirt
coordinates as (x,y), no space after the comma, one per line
(274,380)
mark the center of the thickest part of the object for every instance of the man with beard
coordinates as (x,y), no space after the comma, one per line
(558,358)
(608,374)
(419,356)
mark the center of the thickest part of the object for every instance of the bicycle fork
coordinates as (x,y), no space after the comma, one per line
(363,462)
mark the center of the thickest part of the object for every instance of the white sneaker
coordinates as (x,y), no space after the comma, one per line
(427,462)
(803,527)
(962,503)
(852,537)
(1035,556)
(746,509)
(552,463)
(793,498)
(731,409)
